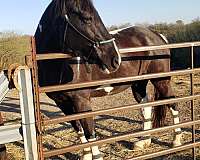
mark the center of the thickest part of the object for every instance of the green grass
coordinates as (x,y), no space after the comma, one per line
(13,50)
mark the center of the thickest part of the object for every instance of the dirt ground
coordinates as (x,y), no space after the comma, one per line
(57,136)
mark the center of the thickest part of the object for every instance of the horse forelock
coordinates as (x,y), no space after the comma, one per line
(65,6)
(80,5)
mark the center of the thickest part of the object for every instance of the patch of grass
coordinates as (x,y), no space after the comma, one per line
(13,49)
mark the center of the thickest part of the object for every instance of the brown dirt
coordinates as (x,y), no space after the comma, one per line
(58,136)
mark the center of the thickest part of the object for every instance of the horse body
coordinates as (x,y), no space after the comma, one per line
(138,65)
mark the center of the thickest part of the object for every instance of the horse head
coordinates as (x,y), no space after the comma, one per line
(76,27)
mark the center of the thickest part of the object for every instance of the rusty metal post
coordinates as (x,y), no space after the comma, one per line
(192,102)
(37,99)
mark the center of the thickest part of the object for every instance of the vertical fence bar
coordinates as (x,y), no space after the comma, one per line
(192,101)
(28,116)
(4,83)
(37,99)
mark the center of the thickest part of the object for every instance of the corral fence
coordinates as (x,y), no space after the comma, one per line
(35,90)
(32,61)
(25,130)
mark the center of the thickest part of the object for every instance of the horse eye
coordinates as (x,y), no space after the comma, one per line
(87,20)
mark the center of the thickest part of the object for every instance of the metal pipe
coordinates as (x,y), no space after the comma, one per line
(115,139)
(192,102)
(161,47)
(36,96)
(117,109)
(165,152)
(114,81)
(46,56)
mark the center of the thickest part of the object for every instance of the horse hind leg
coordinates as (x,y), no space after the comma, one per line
(164,91)
(177,131)
(141,96)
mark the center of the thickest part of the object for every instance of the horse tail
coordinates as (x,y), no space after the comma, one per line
(158,114)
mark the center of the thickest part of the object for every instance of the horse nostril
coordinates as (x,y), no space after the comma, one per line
(115,62)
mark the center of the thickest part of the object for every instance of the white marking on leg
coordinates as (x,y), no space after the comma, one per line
(97,155)
(78,67)
(87,154)
(146,126)
(147,114)
(177,137)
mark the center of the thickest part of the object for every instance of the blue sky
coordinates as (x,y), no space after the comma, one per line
(23,15)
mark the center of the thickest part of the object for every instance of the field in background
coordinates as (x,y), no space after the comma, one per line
(13,48)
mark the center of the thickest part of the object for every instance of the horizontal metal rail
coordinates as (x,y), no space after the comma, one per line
(165,152)
(114,81)
(50,56)
(161,47)
(116,138)
(10,133)
(117,109)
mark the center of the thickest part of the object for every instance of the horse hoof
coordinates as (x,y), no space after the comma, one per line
(140,145)
(177,140)
(87,157)
(87,154)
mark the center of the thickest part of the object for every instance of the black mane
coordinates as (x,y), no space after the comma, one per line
(70,6)
(56,8)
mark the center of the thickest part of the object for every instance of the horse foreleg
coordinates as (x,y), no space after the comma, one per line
(82,104)
(90,136)
(146,140)
(177,133)
(87,154)
(92,153)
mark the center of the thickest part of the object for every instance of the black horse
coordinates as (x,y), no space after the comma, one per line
(74,26)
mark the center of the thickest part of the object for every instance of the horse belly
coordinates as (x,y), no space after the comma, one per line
(104,90)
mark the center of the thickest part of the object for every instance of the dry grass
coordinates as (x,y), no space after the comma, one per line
(13,50)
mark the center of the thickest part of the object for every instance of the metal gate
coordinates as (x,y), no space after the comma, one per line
(32,62)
